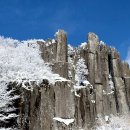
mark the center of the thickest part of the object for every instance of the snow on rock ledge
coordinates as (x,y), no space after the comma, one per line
(83,45)
(65,121)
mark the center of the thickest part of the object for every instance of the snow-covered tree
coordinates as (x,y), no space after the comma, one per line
(20,62)
(81,71)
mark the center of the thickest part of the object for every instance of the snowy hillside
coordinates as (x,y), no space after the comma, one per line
(20,62)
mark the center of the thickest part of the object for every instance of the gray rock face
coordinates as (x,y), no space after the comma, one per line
(55,52)
(61,46)
(49,107)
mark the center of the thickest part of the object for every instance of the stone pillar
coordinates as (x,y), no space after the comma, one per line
(122,106)
(61,46)
(126,76)
(94,68)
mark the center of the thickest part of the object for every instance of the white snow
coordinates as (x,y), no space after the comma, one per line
(85,82)
(115,123)
(103,43)
(6,129)
(31,41)
(83,45)
(80,71)
(77,87)
(80,74)
(106,118)
(5,98)
(93,101)
(70,50)
(111,84)
(65,121)
(23,62)
(50,42)
(61,79)
(53,41)
(8,42)
(110,87)
(3,117)
(57,33)
(75,92)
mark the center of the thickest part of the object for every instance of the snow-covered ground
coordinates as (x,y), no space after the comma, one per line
(115,123)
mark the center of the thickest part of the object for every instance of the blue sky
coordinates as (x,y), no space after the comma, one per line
(109,19)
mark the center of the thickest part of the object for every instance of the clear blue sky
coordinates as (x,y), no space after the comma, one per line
(110,19)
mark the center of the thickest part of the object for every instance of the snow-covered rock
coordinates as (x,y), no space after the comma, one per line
(65,121)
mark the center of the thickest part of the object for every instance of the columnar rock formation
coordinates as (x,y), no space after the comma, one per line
(72,105)
(55,52)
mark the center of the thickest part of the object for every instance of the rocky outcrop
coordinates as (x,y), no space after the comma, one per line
(70,104)
(55,52)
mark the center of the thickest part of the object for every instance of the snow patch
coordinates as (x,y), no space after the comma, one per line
(70,50)
(65,121)
(85,84)
(83,45)
(6,129)
(111,84)
(106,118)
(93,101)
(53,41)
(50,42)
(32,41)
(114,123)
(102,43)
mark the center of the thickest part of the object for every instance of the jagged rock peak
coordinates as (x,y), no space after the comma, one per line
(61,36)
(60,31)
(92,37)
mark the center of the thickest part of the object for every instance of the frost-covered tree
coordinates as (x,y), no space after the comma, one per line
(81,71)
(20,62)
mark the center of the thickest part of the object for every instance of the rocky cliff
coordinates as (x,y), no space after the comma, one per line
(96,85)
